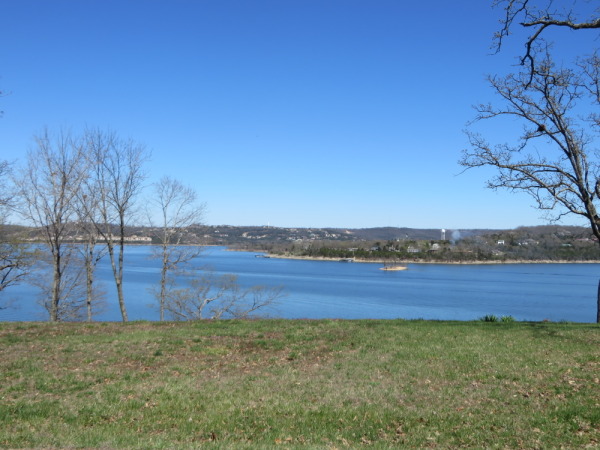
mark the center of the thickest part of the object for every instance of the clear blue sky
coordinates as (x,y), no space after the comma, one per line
(306,113)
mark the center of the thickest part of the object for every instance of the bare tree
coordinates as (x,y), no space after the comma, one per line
(246,303)
(554,156)
(178,208)
(117,176)
(219,297)
(553,159)
(47,188)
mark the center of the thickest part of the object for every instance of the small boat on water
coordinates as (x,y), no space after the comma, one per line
(347,260)
(393,268)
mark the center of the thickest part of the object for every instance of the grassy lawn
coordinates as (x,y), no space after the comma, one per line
(320,384)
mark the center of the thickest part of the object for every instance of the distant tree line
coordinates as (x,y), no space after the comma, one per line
(549,243)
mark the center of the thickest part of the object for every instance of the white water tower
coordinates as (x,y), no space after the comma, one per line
(443,234)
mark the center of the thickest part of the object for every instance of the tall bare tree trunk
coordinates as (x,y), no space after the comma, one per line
(89,293)
(56,280)
(598,305)
(163,280)
(119,275)
(90,263)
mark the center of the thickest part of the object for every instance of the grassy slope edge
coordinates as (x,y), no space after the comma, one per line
(318,383)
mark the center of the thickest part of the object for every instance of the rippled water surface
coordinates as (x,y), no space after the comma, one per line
(323,289)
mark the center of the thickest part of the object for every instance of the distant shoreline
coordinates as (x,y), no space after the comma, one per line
(406,261)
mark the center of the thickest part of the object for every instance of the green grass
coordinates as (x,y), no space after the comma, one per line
(319,384)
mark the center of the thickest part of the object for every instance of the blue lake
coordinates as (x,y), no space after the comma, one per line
(324,289)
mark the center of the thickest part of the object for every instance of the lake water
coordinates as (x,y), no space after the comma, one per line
(331,289)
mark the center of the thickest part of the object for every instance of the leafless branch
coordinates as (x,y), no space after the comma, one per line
(551,158)
(540,16)
(220,297)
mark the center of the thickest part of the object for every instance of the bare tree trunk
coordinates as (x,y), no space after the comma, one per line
(119,275)
(90,259)
(56,279)
(598,305)
(116,263)
(89,294)
(117,269)
(89,276)
(163,280)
